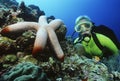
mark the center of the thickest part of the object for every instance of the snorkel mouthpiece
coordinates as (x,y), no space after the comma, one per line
(86,37)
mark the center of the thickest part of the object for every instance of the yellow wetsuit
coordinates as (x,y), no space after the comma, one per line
(92,49)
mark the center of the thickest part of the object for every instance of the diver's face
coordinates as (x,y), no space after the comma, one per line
(84,27)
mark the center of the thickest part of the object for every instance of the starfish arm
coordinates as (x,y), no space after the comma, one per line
(40,41)
(19,27)
(42,20)
(55,24)
(55,43)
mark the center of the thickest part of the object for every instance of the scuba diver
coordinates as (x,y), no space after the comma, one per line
(95,44)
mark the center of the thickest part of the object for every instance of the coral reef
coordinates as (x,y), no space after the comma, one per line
(30,13)
(11,12)
(25,72)
(25,41)
(7,45)
(9,3)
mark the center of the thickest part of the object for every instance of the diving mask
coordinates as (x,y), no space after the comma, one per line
(81,26)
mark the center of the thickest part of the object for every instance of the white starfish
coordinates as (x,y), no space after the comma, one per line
(44,30)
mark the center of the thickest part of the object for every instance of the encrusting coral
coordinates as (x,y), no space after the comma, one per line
(25,72)
(7,45)
(44,30)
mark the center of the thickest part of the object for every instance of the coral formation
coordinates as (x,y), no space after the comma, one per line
(25,72)
(7,45)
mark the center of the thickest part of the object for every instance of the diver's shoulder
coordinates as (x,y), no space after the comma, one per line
(102,36)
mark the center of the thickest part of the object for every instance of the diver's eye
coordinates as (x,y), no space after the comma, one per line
(78,28)
(86,25)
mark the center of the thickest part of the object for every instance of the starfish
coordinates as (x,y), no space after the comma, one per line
(44,30)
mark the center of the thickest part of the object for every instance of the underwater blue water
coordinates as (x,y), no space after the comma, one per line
(105,12)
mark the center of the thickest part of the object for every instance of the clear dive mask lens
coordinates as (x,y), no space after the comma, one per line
(81,26)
